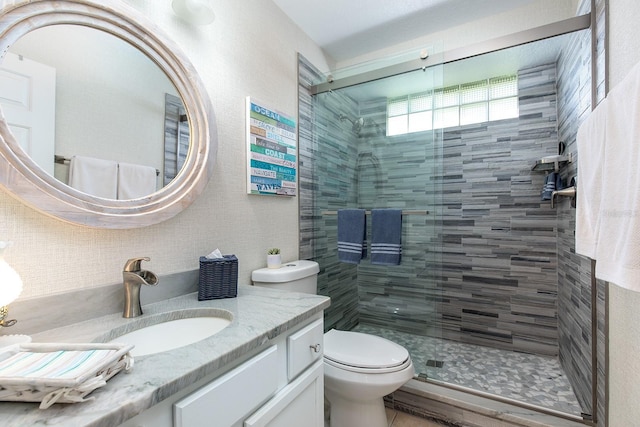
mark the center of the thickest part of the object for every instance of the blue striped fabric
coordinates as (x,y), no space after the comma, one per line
(386,234)
(352,227)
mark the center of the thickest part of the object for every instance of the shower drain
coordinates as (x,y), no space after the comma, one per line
(435,363)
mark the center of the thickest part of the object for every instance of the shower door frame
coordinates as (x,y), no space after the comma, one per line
(566,26)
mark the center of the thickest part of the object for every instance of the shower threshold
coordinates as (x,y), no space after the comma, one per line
(451,405)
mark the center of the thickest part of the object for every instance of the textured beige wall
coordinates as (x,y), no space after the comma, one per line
(250,50)
(624,305)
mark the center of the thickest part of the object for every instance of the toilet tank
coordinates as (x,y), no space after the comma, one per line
(297,276)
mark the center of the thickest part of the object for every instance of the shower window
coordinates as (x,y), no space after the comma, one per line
(458,105)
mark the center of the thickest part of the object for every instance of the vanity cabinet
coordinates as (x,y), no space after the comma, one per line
(279,385)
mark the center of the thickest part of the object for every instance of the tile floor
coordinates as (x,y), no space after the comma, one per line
(537,380)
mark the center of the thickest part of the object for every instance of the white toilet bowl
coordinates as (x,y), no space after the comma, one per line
(359,370)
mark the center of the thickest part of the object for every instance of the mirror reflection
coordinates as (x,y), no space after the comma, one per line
(89,98)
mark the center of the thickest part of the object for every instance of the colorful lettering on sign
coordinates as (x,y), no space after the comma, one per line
(272,151)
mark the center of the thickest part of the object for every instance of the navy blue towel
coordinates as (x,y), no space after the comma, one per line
(552,182)
(352,228)
(386,233)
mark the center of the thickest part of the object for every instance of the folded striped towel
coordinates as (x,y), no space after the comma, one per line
(386,233)
(352,227)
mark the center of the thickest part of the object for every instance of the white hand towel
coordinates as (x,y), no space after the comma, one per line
(591,143)
(97,177)
(618,248)
(135,181)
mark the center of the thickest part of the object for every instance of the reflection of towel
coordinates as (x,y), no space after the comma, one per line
(552,182)
(386,232)
(591,143)
(618,246)
(94,176)
(135,181)
(352,227)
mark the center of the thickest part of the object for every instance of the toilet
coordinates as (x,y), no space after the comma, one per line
(359,369)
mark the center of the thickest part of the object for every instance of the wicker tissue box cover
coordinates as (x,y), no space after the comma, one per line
(218,278)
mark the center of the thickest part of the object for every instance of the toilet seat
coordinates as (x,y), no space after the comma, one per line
(358,352)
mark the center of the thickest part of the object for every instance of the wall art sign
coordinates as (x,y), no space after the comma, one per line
(271,151)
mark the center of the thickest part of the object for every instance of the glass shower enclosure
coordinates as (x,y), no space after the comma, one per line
(475,297)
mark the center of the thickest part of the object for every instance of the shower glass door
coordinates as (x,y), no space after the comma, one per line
(374,146)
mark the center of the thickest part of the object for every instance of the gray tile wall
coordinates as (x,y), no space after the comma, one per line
(481,268)
(327,162)
(499,252)
(574,281)
(574,271)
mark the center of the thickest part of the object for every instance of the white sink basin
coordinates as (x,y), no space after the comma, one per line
(168,334)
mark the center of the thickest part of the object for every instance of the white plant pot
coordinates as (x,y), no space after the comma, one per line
(274,261)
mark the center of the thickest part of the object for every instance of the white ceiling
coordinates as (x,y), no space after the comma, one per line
(349,28)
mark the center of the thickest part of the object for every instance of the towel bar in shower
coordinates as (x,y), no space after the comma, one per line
(404,212)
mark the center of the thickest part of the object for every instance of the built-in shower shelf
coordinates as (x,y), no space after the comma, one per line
(551,163)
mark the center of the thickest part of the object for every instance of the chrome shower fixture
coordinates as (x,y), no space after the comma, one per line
(356,125)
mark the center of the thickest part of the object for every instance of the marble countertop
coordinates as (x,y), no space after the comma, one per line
(259,314)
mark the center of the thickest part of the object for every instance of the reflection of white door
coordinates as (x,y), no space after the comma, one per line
(28,99)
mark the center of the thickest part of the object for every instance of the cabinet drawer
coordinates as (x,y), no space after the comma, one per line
(305,347)
(229,398)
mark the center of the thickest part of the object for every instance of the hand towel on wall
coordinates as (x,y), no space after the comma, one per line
(352,228)
(93,176)
(618,245)
(386,234)
(591,142)
(135,181)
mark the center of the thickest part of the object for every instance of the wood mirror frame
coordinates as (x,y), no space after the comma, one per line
(21,177)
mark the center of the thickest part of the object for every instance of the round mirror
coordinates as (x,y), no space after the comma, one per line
(120,133)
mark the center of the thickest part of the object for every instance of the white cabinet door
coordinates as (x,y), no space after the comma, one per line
(301,403)
(305,347)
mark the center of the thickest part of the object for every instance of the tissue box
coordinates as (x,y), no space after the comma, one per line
(218,278)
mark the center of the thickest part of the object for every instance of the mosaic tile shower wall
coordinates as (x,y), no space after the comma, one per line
(499,239)
(327,162)
(498,256)
(574,271)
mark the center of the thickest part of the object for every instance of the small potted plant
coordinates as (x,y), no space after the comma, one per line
(274,259)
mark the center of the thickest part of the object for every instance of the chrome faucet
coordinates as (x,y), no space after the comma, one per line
(133,278)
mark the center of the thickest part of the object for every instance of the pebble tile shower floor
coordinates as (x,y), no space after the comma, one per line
(537,380)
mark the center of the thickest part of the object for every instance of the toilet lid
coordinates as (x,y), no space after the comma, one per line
(363,350)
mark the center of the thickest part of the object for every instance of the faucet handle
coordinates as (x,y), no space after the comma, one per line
(134,264)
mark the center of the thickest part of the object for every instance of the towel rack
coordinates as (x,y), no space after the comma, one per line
(404,212)
(63,161)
